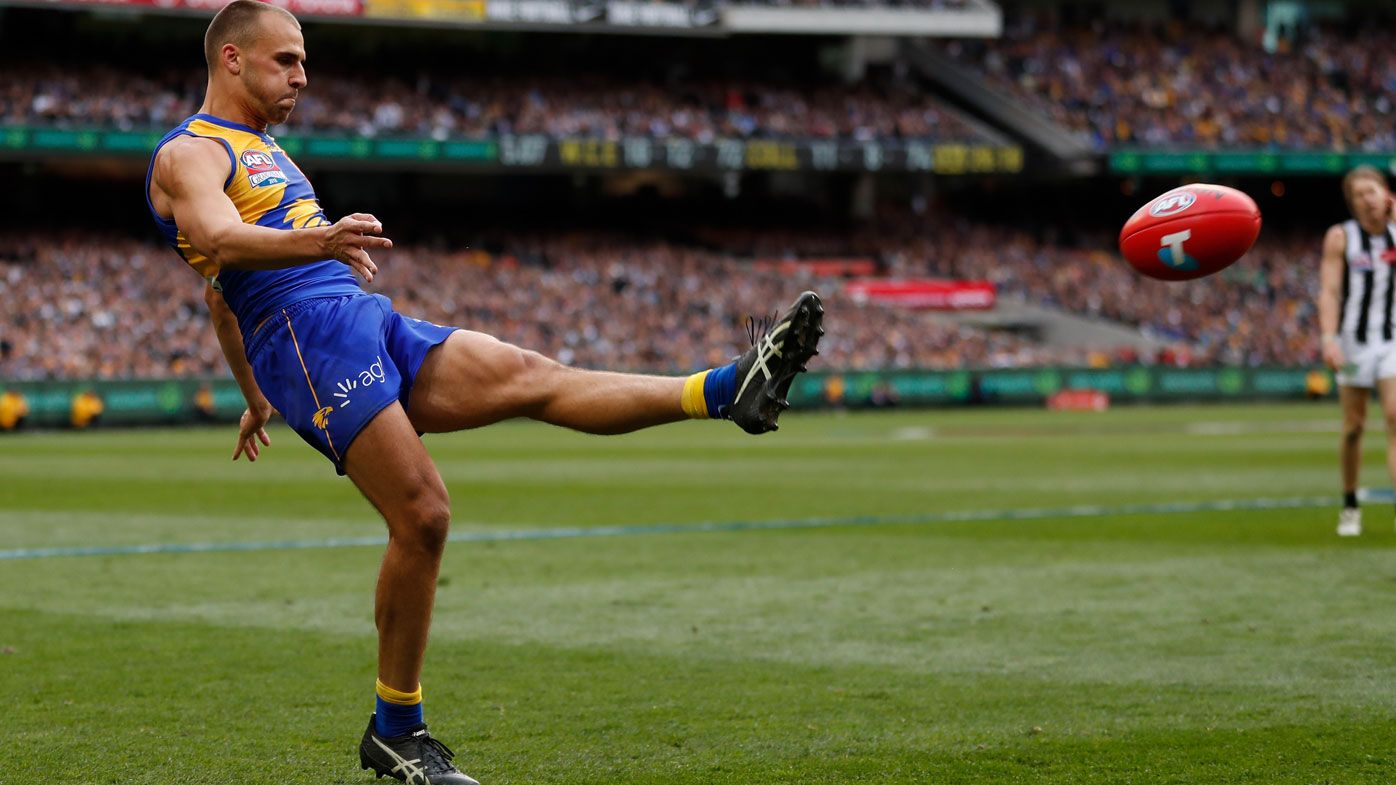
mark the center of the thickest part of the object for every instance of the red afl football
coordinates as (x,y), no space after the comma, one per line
(1190,232)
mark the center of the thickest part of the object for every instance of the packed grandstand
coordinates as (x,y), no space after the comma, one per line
(1195,86)
(444,105)
(1173,85)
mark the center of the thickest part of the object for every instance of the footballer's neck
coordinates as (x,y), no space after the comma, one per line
(228,107)
(1373,226)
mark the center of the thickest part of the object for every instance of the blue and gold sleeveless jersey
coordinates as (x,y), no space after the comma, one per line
(268,190)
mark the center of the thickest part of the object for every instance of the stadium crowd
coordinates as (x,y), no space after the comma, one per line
(99,307)
(442,106)
(1188,86)
(112,307)
(1172,85)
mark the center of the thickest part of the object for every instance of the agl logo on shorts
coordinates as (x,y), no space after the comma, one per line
(372,375)
(262,169)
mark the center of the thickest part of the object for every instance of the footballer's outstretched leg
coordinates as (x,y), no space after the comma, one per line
(472,380)
(777,355)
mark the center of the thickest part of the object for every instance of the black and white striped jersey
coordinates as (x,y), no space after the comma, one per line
(1368,285)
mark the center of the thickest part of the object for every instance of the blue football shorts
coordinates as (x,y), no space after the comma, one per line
(330,364)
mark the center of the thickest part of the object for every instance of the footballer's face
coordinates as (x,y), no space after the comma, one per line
(1370,200)
(274,68)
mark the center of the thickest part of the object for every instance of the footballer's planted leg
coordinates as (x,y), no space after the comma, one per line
(390,466)
(412,756)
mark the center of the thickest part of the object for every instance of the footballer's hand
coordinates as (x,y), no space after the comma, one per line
(252,429)
(350,239)
(1332,355)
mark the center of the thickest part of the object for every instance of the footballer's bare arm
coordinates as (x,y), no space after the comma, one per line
(187,185)
(259,410)
(1330,294)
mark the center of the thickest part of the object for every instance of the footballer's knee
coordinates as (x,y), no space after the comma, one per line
(537,369)
(425,521)
(1352,429)
(532,378)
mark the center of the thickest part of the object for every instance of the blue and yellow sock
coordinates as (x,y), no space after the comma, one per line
(397,712)
(708,394)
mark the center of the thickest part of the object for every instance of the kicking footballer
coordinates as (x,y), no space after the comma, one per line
(359,381)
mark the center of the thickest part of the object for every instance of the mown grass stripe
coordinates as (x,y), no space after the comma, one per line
(573,532)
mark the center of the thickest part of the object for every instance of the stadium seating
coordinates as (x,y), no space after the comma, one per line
(590,301)
(1188,86)
(1174,86)
(453,106)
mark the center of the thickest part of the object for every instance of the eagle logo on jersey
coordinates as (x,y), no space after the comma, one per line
(262,169)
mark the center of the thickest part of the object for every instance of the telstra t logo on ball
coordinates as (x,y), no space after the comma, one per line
(1171,251)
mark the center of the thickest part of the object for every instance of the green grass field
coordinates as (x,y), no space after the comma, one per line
(888,644)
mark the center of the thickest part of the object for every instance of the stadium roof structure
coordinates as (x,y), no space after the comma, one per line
(974,18)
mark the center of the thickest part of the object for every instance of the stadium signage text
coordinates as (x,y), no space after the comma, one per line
(1036,386)
(557,12)
(925,293)
(150,401)
(544,152)
(759,154)
(633,14)
(564,13)
(445,10)
(1255,162)
(297,7)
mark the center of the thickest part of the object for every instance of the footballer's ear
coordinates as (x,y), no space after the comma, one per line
(232,58)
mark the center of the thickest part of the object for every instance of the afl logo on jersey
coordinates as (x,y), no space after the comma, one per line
(1172,204)
(262,169)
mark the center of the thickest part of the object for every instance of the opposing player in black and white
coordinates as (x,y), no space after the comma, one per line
(1355,305)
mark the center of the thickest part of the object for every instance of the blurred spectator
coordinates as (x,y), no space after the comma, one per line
(13,410)
(86,409)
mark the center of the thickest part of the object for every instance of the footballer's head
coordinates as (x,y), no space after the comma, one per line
(1368,197)
(256,56)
